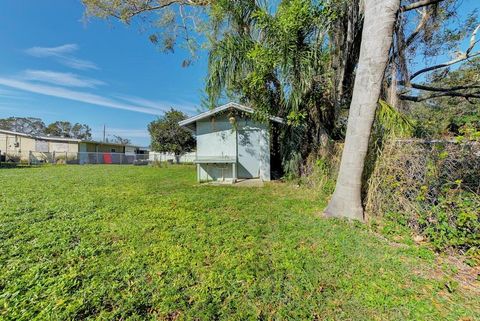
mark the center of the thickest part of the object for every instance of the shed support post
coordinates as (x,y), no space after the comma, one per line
(198,173)
(234,172)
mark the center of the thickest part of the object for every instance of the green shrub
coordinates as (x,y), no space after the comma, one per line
(454,222)
(431,188)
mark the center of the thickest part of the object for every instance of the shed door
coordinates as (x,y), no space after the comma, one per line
(249,153)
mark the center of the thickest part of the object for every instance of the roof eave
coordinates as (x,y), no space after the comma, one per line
(107,143)
(194,119)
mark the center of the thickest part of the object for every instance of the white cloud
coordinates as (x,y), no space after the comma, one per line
(83,97)
(60,78)
(63,54)
(52,51)
(144,102)
(158,105)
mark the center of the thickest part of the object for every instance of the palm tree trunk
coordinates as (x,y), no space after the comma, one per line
(380,17)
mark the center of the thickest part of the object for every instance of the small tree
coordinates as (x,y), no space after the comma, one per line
(69,130)
(26,125)
(81,131)
(120,140)
(168,137)
(60,129)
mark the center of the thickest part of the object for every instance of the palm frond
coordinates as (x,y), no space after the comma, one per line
(393,122)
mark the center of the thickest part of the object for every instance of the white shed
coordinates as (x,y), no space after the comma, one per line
(231,145)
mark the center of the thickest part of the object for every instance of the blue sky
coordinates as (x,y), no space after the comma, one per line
(55,66)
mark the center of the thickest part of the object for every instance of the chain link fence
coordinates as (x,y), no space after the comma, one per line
(187,158)
(432,187)
(410,176)
(74,158)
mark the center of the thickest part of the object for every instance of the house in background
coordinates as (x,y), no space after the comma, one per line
(16,146)
(19,145)
(231,145)
(105,147)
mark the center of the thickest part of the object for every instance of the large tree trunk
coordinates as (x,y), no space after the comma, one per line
(380,17)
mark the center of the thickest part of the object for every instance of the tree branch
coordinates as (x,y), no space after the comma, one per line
(166,3)
(421,24)
(462,56)
(439,89)
(437,95)
(472,40)
(125,11)
(419,4)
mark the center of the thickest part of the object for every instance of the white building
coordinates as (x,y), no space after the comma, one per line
(231,145)
(20,145)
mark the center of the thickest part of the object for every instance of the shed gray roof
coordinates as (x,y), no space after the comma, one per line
(219,109)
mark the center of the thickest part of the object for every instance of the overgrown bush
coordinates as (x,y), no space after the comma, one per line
(432,187)
(454,221)
(321,168)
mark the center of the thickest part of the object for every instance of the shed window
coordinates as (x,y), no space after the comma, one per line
(113,150)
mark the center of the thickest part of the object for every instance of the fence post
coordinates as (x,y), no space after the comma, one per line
(54,162)
(66,158)
(97,158)
(121,158)
(29,158)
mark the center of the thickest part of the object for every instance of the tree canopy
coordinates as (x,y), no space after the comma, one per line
(168,137)
(119,140)
(27,125)
(69,130)
(35,126)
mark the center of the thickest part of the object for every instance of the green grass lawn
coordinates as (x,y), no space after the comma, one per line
(136,243)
